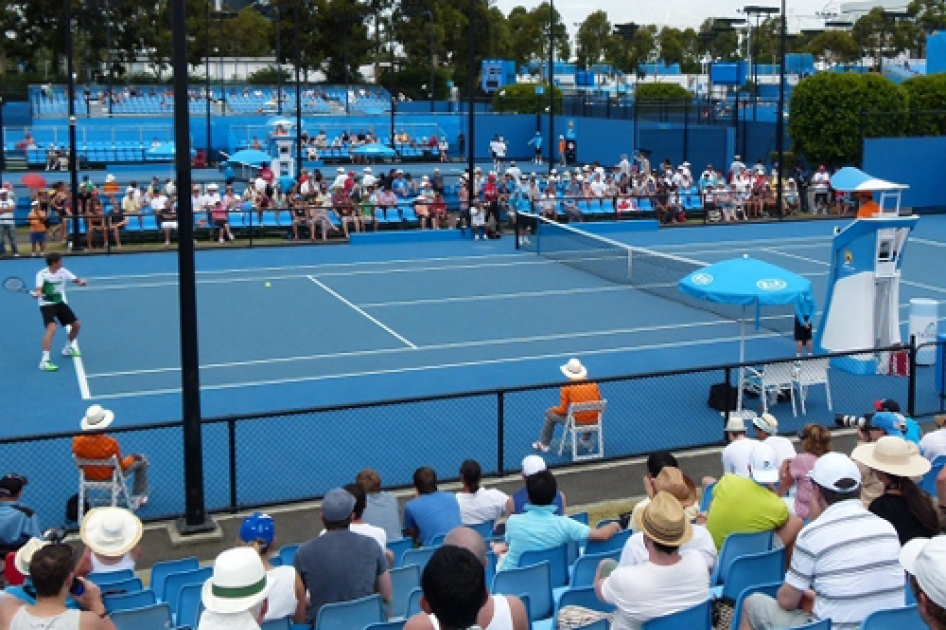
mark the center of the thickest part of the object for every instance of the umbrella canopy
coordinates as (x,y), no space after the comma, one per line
(32,180)
(165,149)
(855,180)
(250,157)
(375,149)
(281,121)
(749,282)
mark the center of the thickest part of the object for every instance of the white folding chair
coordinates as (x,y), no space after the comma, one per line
(574,430)
(773,379)
(115,486)
(813,372)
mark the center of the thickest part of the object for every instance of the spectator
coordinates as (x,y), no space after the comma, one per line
(94,444)
(815,442)
(478,504)
(539,527)
(381,508)
(737,452)
(907,427)
(580,390)
(7,222)
(258,531)
(933,444)
(516,504)
(877,426)
(499,612)
(220,217)
(359,526)
(925,561)
(52,577)
(18,523)
(766,430)
(454,589)
(167,219)
(845,565)
(667,582)
(749,504)
(38,219)
(433,512)
(111,536)
(339,566)
(16,571)
(235,597)
(656,462)
(903,503)
(670,481)
(478,221)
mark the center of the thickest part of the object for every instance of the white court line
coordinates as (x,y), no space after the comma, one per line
(924,241)
(300,268)
(919,285)
(441,366)
(749,242)
(355,308)
(80,372)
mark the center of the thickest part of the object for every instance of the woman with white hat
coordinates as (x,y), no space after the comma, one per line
(111,536)
(903,503)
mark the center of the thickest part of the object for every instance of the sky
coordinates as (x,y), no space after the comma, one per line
(677,13)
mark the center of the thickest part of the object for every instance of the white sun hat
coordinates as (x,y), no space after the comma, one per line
(96,418)
(574,370)
(110,531)
(239,582)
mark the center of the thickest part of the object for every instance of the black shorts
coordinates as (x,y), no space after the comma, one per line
(61,312)
(802,332)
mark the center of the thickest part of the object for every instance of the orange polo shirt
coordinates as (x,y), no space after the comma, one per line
(99,446)
(868,209)
(583,391)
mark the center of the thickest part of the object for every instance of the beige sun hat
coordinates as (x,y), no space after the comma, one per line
(892,455)
(574,370)
(25,554)
(672,480)
(239,582)
(110,531)
(664,521)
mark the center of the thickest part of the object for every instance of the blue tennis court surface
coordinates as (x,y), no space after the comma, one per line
(348,324)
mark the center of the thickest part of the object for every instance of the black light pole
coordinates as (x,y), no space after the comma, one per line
(108,54)
(207,76)
(430,46)
(278,65)
(552,143)
(73,156)
(780,120)
(295,34)
(471,122)
(195,516)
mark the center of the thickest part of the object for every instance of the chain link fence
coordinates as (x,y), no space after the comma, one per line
(290,456)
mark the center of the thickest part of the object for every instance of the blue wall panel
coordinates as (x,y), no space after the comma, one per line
(917,162)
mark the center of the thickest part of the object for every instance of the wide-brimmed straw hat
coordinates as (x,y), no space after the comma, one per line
(239,582)
(574,370)
(96,418)
(110,531)
(664,521)
(25,554)
(673,481)
(894,456)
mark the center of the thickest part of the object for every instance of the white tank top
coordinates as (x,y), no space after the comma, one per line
(502,616)
(23,620)
(125,563)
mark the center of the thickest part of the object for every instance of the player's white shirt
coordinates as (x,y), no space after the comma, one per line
(52,286)
(500,149)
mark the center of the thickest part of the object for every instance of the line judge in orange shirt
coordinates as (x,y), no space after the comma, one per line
(579,390)
(93,443)
(867,207)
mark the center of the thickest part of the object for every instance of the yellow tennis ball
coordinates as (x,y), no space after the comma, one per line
(267,284)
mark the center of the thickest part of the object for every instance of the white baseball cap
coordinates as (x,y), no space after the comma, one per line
(830,471)
(532,464)
(763,464)
(925,559)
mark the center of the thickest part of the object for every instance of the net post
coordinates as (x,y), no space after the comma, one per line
(728,381)
(911,383)
(517,227)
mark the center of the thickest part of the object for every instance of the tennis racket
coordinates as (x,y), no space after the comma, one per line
(15,285)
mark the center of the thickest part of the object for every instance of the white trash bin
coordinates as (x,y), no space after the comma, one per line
(924,316)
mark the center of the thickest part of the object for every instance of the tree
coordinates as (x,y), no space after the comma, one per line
(829,114)
(593,36)
(835,47)
(522,98)
(927,95)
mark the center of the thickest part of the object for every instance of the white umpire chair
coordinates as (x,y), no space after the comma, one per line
(95,491)
(574,431)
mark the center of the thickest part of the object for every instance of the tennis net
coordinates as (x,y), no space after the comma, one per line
(646,270)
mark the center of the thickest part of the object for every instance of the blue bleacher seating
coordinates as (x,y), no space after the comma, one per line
(356,613)
(146,618)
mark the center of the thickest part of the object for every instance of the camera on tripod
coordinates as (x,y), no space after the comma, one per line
(853,422)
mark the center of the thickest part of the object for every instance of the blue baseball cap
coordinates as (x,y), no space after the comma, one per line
(890,423)
(258,526)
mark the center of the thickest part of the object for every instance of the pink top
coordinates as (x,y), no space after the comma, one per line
(800,467)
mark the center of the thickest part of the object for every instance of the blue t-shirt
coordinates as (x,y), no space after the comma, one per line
(432,514)
(521,497)
(400,187)
(539,528)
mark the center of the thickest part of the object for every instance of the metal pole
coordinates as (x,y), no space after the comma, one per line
(780,121)
(278,64)
(347,78)
(3,146)
(552,143)
(73,155)
(195,517)
(108,54)
(471,121)
(430,43)
(207,78)
(295,15)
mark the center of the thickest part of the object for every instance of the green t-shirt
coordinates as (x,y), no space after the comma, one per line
(741,505)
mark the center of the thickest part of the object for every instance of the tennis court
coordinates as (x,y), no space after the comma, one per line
(352,324)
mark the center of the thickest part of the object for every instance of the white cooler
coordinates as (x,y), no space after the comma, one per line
(924,316)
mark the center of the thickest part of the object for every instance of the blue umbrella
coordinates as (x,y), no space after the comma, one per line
(749,282)
(165,150)
(375,150)
(854,179)
(250,157)
(286,182)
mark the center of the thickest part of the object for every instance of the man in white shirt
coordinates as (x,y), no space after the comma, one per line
(478,504)
(50,293)
(368,179)
(7,222)
(766,430)
(212,196)
(820,182)
(933,444)
(514,171)
(339,178)
(737,452)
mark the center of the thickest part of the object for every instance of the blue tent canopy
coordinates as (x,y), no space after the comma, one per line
(375,149)
(250,157)
(850,179)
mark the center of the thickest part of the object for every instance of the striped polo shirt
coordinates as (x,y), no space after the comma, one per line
(849,557)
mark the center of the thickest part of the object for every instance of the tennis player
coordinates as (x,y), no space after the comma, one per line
(51,293)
